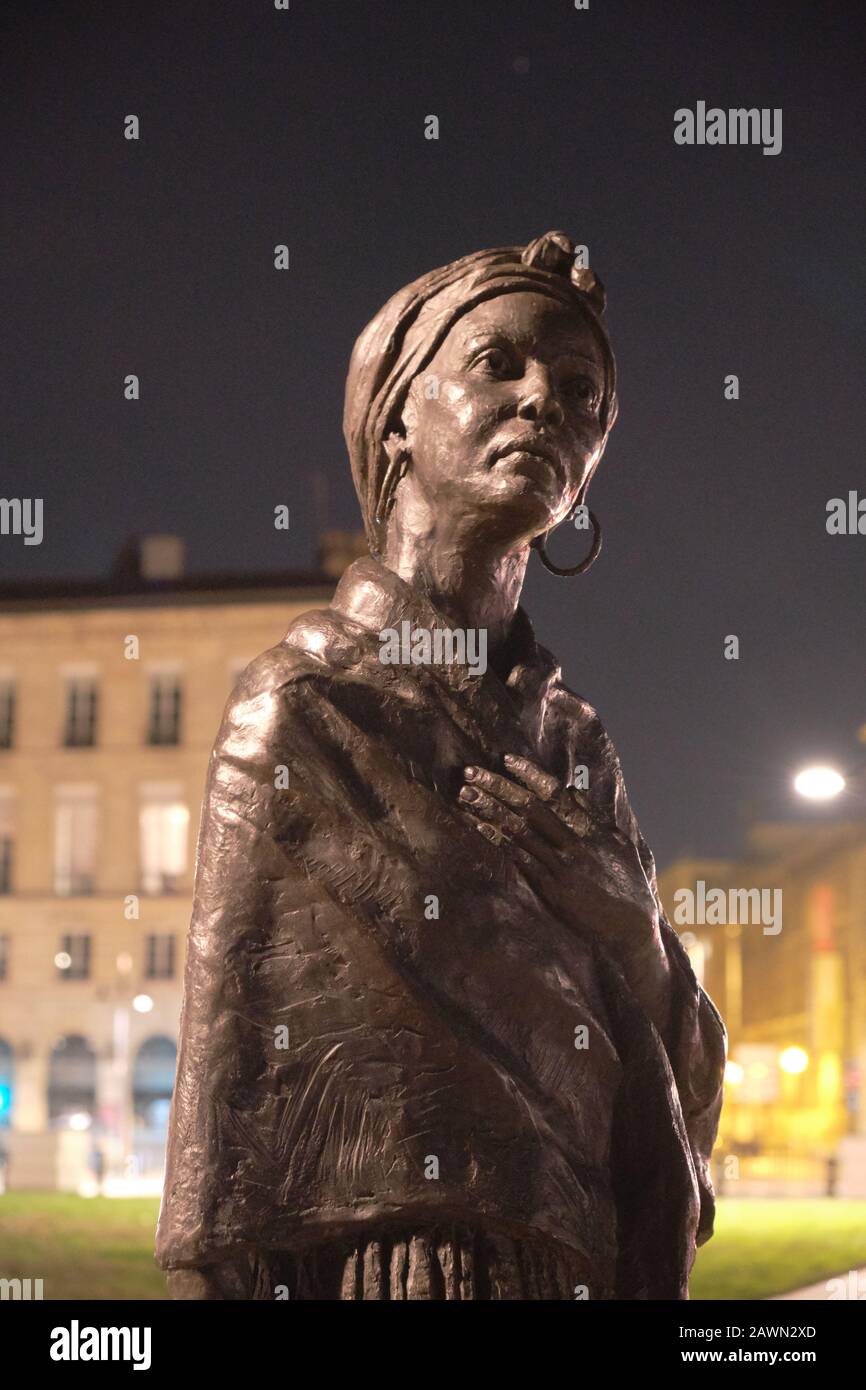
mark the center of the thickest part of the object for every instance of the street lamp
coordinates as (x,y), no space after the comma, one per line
(822,782)
(819,783)
(794,1060)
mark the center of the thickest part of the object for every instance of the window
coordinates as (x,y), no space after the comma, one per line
(7,841)
(5,863)
(159,958)
(7,713)
(81,701)
(73,958)
(76,816)
(7,1082)
(4,957)
(72,1082)
(152,1085)
(163,822)
(165,706)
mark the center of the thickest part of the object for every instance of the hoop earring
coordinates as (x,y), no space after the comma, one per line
(569,572)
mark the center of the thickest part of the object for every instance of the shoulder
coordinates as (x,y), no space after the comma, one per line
(317,644)
(280,684)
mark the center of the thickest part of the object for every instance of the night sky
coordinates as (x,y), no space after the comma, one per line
(306,127)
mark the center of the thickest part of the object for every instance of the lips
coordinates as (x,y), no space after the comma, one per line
(528,446)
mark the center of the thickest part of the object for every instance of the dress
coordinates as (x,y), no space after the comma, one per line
(378,1032)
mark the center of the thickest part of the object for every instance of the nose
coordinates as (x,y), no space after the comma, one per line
(538,401)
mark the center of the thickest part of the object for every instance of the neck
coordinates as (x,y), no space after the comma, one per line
(476,583)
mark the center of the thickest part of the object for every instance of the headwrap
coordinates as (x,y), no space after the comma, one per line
(407,332)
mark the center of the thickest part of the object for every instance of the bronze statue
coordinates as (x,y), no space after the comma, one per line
(438,1039)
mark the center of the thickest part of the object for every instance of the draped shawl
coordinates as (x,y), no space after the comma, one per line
(380,1015)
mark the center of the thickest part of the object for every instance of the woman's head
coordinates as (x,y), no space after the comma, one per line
(491,385)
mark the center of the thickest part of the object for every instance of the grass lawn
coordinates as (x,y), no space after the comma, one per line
(82,1247)
(102,1247)
(765,1246)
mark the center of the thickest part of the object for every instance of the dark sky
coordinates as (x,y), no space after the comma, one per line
(307,127)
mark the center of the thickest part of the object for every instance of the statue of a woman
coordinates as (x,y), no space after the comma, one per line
(438,1039)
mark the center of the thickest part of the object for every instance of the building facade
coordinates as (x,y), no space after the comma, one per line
(779,940)
(110,698)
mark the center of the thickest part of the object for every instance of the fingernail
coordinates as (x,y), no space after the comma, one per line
(469,794)
(470,772)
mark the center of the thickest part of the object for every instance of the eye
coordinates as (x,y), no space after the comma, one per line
(495,362)
(584,391)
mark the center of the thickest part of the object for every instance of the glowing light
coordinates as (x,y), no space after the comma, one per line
(794,1060)
(733,1073)
(79,1121)
(819,783)
(142,1003)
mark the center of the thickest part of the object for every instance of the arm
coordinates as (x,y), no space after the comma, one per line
(697,1049)
(589,873)
(603,880)
(697,1045)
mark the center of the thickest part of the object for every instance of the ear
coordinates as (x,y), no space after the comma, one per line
(394,445)
(581,496)
(409,413)
(397,450)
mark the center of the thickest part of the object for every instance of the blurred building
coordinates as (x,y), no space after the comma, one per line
(111,694)
(793,999)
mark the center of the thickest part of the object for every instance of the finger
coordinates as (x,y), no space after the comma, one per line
(542,783)
(495,837)
(579,815)
(490,832)
(512,824)
(518,798)
(582,800)
(551,794)
(539,816)
(490,809)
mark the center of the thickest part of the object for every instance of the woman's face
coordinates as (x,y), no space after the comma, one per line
(503,425)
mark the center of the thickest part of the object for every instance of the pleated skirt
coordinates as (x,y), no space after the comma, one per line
(449,1264)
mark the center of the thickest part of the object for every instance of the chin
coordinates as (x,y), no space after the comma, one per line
(520,513)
